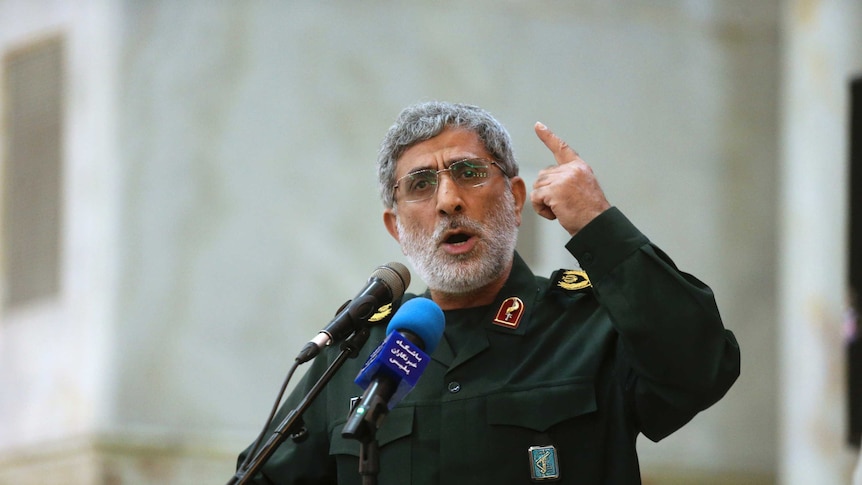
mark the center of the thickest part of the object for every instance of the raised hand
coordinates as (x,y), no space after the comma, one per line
(567,191)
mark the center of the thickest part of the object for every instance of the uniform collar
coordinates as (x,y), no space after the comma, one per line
(521,284)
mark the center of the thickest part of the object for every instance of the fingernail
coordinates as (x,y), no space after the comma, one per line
(541,125)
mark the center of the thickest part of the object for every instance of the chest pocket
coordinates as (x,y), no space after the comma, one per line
(541,407)
(393,440)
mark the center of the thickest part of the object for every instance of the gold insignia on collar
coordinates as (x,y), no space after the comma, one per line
(573,280)
(382,313)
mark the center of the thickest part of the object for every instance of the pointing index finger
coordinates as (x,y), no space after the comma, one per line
(563,153)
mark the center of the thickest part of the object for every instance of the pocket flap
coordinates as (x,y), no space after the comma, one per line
(541,407)
(397,424)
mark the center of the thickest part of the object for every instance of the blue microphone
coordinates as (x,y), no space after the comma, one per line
(393,369)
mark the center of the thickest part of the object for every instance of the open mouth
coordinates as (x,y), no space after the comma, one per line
(457,238)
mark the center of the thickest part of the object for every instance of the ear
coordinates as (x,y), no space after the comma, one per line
(390,220)
(519,191)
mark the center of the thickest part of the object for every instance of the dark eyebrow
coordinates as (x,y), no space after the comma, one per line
(466,159)
(450,162)
(446,165)
(421,169)
(488,161)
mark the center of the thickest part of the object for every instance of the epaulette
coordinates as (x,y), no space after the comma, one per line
(382,314)
(570,280)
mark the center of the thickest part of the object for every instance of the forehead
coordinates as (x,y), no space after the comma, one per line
(450,145)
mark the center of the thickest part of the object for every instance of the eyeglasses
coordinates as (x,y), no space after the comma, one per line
(422,184)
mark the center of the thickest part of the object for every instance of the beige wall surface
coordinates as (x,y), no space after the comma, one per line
(220,201)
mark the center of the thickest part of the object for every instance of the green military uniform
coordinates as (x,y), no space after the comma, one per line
(571,367)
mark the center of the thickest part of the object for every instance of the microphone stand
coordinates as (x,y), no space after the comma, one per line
(369,460)
(362,425)
(292,425)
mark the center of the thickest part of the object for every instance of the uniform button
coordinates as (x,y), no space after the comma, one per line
(454,387)
(587,258)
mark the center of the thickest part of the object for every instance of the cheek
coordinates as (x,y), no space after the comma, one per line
(415,229)
(417,220)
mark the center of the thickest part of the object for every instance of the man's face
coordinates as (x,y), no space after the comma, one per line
(462,238)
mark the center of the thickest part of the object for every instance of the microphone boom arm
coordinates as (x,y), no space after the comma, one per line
(292,424)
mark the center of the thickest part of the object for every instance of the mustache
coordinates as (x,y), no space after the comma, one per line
(456,222)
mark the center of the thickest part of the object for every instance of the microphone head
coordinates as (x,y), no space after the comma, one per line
(422,317)
(395,276)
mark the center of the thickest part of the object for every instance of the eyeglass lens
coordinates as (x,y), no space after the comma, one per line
(422,184)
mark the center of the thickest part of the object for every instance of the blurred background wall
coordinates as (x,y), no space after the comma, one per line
(188,195)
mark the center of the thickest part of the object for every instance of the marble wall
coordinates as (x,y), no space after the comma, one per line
(822,52)
(221,201)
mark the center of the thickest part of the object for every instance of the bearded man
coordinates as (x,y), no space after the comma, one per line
(536,379)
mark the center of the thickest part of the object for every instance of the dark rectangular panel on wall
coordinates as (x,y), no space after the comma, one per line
(854,338)
(32,171)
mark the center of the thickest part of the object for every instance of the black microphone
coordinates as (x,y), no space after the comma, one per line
(393,369)
(386,284)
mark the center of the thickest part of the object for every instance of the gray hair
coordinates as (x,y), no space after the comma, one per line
(424,121)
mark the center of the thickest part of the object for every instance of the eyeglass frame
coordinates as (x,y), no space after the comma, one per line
(487,161)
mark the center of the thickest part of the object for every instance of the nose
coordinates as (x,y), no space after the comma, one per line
(449,199)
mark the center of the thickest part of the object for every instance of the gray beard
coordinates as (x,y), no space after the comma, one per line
(464,273)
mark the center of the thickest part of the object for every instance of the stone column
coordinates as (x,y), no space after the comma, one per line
(823,51)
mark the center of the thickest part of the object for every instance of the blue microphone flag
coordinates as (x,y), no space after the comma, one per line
(400,356)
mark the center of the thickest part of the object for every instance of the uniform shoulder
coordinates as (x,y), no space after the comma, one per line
(568,281)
